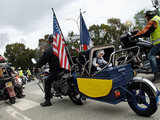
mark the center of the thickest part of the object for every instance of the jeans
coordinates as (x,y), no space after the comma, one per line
(48,84)
(152,57)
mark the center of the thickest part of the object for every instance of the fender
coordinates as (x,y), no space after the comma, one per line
(148,83)
(11,91)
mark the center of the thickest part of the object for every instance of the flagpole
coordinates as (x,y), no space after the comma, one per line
(68,53)
(80,29)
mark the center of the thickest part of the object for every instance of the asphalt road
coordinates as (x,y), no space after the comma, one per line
(28,108)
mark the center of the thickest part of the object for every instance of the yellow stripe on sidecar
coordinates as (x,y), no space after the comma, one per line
(94,87)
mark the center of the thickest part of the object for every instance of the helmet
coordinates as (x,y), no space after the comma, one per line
(50,38)
(150,13)
(100,52)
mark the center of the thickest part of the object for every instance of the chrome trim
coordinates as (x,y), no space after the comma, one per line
(113,60)
(144,80)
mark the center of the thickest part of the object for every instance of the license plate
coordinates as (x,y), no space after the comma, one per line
(8,84)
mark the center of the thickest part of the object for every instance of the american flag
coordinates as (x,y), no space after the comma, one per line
(59,44)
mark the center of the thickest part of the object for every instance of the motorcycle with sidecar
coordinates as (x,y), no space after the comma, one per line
(113,84)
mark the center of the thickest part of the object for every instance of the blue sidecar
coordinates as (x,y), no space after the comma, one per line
(113,84)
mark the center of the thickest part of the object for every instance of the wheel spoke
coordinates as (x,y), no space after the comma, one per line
(142,100)
(146,104)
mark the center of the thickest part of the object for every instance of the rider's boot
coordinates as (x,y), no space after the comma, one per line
(156,77)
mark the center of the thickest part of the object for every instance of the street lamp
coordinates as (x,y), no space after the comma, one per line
(76,20)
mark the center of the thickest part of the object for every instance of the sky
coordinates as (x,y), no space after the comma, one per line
(26,21)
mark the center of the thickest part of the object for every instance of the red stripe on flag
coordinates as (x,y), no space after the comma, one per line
(62,55)
(85,47)
(55,54)
(55,47)
(65,61)
(59,43)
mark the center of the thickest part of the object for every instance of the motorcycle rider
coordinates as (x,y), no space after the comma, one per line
(18,88)
(29,75)
(99,61)
(152,29)
(54,70)
(22,76)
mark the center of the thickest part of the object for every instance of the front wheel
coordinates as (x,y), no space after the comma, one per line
(19,91)
(142,101)
(12,100)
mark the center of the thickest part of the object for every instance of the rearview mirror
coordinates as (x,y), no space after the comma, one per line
(34,61)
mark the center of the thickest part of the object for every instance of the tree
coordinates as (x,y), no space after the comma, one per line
(95,34)
(19,56)
(116,30)
(73,41)
(140,20)
(109,33)
(43,43)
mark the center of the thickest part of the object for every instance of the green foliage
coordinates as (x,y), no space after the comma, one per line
(43,42)
(140,20)
(73,42)
(109,33)
(19,56)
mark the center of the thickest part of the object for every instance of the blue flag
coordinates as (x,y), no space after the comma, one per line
(84,34)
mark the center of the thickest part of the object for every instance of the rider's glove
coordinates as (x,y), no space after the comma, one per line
(134,37)
(98,68)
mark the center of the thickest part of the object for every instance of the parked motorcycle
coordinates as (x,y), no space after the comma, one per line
(16,80)
(141,62)
(6,87)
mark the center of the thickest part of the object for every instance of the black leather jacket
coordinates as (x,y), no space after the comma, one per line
(51,59)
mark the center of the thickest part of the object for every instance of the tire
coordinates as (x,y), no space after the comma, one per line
(74,94)
(77,99)
(12,100)
(140,98)
(19,91)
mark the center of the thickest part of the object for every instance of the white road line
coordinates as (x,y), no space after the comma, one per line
(17,115)
(24,104)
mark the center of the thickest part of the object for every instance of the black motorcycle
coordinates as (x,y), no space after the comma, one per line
(16,81)
(140,61)
(6,87)
(63,86)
